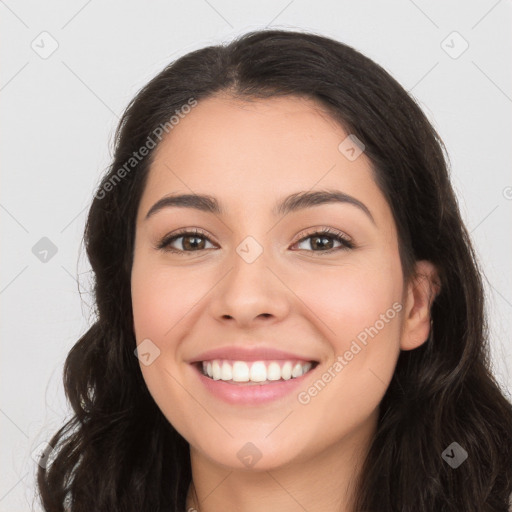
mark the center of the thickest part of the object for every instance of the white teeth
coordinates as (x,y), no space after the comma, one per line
(216,371)
(240,371)
(258,371)
(297,370)
(227,372)
(273,371)
(286,371)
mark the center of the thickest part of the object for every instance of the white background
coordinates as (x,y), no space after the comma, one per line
(58,118)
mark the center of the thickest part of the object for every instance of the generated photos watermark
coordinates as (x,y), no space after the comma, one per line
(152,140)
(305,397)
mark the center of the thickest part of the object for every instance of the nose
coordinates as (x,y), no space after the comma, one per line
(251,292)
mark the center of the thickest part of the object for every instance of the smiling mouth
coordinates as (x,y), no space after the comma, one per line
(254,372)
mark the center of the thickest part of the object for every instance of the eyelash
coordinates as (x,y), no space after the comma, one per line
(165,242)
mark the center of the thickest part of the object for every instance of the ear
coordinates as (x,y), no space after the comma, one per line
(422,289)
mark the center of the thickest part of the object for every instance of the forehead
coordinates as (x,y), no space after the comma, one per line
(250,152)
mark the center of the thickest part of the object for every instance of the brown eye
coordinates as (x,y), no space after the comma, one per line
(191,241)
(195,240)
(323,241)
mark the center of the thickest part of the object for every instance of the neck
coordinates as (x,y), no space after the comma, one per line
(324,482)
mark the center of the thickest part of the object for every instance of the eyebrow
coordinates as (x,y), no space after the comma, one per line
(291,203)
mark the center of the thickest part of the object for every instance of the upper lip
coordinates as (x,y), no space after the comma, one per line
(239,353)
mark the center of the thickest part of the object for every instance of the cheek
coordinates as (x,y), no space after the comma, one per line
(352,297)
(362,312)
(161,298)
(359,308)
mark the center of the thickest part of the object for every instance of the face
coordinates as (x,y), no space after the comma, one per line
(251,278)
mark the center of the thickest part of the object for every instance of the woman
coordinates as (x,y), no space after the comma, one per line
(290,313)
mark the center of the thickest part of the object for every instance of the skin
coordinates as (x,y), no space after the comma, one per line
(250,154)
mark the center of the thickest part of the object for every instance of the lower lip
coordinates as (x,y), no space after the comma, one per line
(251,394)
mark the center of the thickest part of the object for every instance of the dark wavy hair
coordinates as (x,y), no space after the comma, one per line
(119,453)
